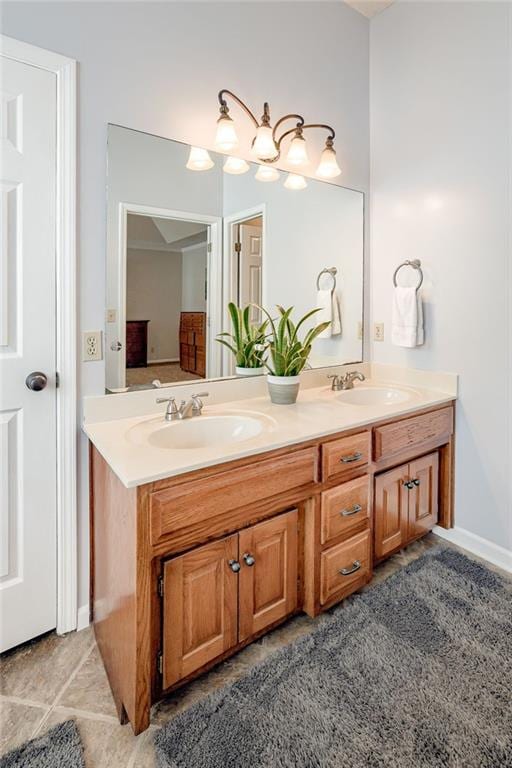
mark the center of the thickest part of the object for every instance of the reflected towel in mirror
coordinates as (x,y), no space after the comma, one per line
(327,302)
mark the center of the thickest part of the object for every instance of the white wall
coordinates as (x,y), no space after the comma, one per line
(153,292)
(440,178)
(144,65)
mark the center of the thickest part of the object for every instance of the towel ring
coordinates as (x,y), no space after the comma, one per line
(332,271)
(415,264)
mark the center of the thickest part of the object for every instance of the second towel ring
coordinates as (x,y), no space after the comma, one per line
(415,264)
(332,271)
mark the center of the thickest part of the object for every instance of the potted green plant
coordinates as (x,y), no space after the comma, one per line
(288,354)
(247,341)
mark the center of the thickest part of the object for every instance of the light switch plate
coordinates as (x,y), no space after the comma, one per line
(378,331)
(111,316)
(91,346)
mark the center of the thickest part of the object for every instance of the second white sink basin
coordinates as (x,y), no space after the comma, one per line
(375,396)
(200,431)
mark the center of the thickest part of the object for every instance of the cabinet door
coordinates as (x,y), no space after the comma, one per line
(268,576)
(391,511)
(423,498)
(200,608)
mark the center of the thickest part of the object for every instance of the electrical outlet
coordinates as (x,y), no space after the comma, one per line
(111,315)
(360,331)
(91,343)
(378,331)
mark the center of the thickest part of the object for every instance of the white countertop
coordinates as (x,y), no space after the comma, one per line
(317,413)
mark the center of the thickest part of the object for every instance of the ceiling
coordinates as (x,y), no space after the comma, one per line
(369,8)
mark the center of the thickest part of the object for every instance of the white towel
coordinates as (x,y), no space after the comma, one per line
(407,322)
(327,302)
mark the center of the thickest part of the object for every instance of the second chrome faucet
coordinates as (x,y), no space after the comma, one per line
(345,381)
(187,408)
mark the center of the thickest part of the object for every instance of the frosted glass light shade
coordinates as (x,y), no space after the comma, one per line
(225,138)
(235,165)
(297,152)
(199,160)
(264,146)
(294,181)
(266,173)
(328,167)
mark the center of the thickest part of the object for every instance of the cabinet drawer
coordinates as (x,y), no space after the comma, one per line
(344,508)
(394,438)
(340,456)
(344,568)
(209,505)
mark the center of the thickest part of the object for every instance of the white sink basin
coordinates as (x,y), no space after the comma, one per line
(375,396)
(199,431)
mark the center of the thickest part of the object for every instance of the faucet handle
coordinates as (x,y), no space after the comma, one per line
(198,403)
(335,380)
(166,399)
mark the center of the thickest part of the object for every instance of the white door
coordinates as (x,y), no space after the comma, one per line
(27,344)
(250,268)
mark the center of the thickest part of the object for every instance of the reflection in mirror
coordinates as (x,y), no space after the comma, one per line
(182,243)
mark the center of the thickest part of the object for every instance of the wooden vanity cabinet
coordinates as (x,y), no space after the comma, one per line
(189,569)
(219,595)
(406,504)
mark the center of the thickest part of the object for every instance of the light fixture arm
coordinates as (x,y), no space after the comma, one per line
(300,124)
(224,107)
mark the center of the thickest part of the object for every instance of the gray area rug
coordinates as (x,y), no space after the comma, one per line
(414,673)
(60,747)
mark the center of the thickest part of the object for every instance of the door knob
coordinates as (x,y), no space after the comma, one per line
(249,559)
(36,381)
(116,346)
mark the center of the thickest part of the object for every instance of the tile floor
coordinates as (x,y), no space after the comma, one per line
(53,678)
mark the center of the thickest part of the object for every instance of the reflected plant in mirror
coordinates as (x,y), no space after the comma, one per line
(288,353)
(247,341)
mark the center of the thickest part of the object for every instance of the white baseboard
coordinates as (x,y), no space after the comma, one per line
(477,546)
(83,617)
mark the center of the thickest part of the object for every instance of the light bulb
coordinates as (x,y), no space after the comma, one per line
(328,167)
(266,173)
(294,181)
(297,153)
(264,147)
(199,160)
(225,138)
(235,165)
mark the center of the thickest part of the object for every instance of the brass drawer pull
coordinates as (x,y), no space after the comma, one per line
(347,571)
(351,457)
(352,511)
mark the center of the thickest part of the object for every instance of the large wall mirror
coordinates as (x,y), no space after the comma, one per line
(182,243)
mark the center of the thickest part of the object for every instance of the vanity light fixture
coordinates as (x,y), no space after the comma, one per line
(295,181)
(235,165)
(199,160)
(266,144)
(266,173)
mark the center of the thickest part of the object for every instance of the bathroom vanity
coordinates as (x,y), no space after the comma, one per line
(200,551)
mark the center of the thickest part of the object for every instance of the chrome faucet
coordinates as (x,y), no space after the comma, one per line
(345,381)
(187,409)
